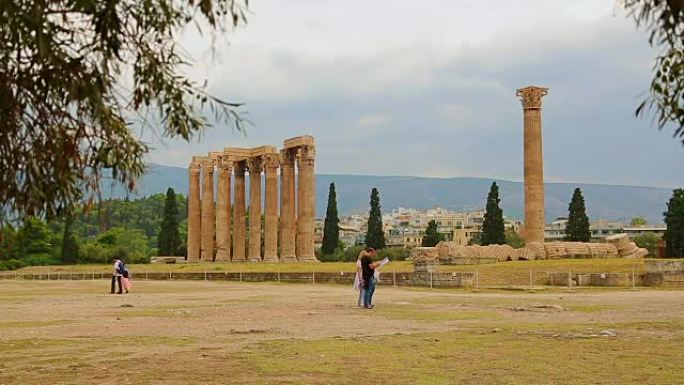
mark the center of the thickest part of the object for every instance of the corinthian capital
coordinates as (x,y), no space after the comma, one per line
(194,168)
(224,163)
(306,157)
(531,97)
(255,164)
(271,161)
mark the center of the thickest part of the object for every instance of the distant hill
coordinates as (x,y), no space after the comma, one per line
(611,202)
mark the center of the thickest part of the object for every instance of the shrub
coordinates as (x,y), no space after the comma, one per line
(394,253)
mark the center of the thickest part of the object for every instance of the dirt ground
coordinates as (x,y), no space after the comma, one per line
(74,332)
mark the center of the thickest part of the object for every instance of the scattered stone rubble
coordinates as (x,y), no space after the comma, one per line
(449,253)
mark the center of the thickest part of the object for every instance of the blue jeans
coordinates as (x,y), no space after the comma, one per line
(368,293)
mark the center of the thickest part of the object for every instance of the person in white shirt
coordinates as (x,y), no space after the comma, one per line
(116,275)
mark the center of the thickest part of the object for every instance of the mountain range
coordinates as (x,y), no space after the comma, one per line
(609,202)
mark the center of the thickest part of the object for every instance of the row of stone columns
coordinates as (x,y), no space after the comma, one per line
(210,226)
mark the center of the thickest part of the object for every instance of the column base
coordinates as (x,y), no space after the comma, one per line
(288,258)
(191,259)
(206,258)
(307,259)
(254,259)
(239,259)
(222,256)
(273,258)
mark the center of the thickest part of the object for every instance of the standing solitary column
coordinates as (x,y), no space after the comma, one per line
(208,219)
(194,212)
(287,206)
(531,98)
(223,209)
(271,208)
(255,167)
(306,206)
(239,213)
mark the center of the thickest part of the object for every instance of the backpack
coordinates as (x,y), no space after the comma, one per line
(123,270)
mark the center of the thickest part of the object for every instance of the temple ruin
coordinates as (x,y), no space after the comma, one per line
(215,235)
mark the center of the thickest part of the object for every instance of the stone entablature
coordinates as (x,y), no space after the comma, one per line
(215,235)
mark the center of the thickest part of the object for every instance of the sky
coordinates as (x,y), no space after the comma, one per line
(401,87)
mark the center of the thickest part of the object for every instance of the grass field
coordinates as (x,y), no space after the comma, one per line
(263,333)
(499,274)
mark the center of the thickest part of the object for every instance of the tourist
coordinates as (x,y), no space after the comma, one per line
(117,275)
(358,280)
(368,267)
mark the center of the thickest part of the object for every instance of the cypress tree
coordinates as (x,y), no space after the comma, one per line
(375,236)
(431,237)
(493,226)
(674,219)
(168,239)
(70,247)
(577,228)
(331,229)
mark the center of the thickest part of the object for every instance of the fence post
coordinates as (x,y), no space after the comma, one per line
(313,274)
(170,277)
(240,275)
(430,280)
(146,275)
(278,273)
(394,278)
(477,278)
(530,277)
(569,279)
(205,273)
(633,280)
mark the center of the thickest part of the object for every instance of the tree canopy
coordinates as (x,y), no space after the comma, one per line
(331,228)
(493,226)
(375,235)
(431,237)
(78,77)
(577,227)
(674,219)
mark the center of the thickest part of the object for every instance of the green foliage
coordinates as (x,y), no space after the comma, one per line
(648,241)
(394,253)
(350,254)
(514,239)
(131,245)
(70,246)
(168,240)
(375,235)
(431,237)
(665,22)
(34,237)
(475,239)
(577,228)
(674,219)
(493,225)
(638,221)
(75,75)
(331,229)
(8,242)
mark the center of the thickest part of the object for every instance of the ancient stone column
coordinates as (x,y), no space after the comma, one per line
(287,206)
(255,167)
(239,213)
(223,204)
(208,219)
(271,208)
(306,206)
(531,98)
(194,223)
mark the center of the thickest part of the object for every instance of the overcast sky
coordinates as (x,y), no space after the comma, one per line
(403,87)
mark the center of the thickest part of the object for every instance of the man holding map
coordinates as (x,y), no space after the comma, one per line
(368,268)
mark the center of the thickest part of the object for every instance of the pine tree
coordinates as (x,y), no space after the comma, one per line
(577,228)
(70,246)
(375,236)
(493,226)
(431,237)
(168,239)
(674,219)
(331,229)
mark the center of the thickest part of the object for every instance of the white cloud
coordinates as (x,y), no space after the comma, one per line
(431,88)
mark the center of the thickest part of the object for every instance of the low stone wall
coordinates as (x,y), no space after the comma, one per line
(597,279)
(451,280)
(664,265)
